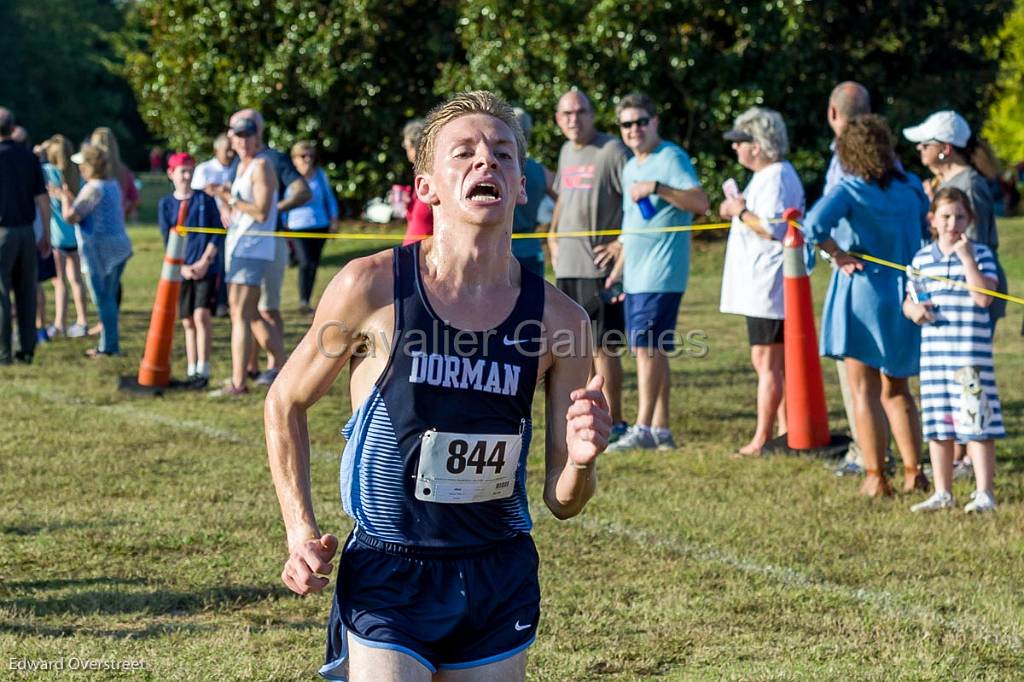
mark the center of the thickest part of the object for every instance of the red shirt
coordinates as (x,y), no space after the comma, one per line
(421,221)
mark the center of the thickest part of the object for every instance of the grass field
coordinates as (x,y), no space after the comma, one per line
(147,529)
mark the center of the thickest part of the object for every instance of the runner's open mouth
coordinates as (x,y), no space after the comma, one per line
(484,191)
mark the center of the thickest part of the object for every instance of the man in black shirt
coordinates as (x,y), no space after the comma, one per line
(22,193)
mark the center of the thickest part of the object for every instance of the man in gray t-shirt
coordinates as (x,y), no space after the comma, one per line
(589,187)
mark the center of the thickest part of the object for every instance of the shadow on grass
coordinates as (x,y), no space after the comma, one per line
(13,586)
(159,602)
(155,630)
(25,529)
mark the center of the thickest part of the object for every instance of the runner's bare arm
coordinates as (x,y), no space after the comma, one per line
(578,421)
(338,329)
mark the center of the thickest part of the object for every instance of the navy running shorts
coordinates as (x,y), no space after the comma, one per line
(448,609)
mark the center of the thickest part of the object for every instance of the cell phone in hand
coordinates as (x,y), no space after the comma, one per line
(731,189)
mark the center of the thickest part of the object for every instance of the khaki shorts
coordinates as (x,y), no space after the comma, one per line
(273,277)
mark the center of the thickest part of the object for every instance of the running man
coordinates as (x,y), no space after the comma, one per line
(446,340)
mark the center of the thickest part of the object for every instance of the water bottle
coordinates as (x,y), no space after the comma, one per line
(646,208)
(918,287)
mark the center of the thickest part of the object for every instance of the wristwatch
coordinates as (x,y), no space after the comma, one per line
(232,201)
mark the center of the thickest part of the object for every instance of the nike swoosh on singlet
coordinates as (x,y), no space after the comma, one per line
(515,342)
(520,628)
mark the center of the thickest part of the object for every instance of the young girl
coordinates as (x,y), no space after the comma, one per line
(958,388)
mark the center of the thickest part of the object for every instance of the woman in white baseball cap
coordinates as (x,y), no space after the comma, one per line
(945,143)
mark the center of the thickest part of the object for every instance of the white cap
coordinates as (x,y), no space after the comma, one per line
(942,126)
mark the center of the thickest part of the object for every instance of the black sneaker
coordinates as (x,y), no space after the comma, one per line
(198,382)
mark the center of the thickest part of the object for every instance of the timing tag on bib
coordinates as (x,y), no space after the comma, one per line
(459,468)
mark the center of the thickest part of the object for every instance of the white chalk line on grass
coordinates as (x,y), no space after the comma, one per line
(155,418)
(883,600)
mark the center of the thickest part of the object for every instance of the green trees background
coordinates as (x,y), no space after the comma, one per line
(1005,125)
(349,73)
(60,72)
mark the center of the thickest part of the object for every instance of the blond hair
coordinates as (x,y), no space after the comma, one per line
(58,155)
(465,104)
(95,158)
(303,146)
(104,137)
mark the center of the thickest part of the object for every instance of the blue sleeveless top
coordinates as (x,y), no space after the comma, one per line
(455,381)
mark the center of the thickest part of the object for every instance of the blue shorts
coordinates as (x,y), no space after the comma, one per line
(248,271)
(651,320)
(446,609)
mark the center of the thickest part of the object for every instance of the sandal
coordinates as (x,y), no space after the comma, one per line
(875,485)
(95,353)
(914,480)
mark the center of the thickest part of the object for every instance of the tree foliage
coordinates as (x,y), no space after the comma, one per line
(1005,126)
(57,75)
(705,62)
(348,73)
(345,73)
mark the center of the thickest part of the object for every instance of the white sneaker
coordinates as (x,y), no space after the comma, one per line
(940,500)
(76,331)
(634,439)
(981,502)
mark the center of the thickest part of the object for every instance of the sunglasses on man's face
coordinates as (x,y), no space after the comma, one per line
(640,122)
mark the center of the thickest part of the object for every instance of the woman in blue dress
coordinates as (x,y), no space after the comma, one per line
(880,211)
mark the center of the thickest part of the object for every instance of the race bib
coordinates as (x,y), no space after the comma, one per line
(459,468)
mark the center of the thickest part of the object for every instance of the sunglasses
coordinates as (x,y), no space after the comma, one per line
(640,122)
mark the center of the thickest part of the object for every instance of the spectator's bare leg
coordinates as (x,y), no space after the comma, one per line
(866,391)
(905,421)
(609,366)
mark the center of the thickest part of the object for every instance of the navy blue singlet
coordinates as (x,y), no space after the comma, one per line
(454,381)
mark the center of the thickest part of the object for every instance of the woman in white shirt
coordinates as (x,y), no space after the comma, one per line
(752,277)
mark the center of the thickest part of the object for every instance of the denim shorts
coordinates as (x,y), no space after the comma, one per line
(248,271)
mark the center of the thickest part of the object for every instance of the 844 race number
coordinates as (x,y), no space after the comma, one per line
(459,468)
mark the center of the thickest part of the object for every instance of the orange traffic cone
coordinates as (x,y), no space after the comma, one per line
(806,410)
(155,368)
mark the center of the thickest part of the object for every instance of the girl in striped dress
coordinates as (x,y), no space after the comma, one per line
(958,386)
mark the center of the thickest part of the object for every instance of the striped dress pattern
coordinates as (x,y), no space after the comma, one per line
(959,400)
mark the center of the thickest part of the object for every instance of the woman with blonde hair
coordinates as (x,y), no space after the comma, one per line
(102,240)
(752,275)
(104,137)
(60,172)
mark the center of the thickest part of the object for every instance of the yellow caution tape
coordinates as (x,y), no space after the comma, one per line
(945,280)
